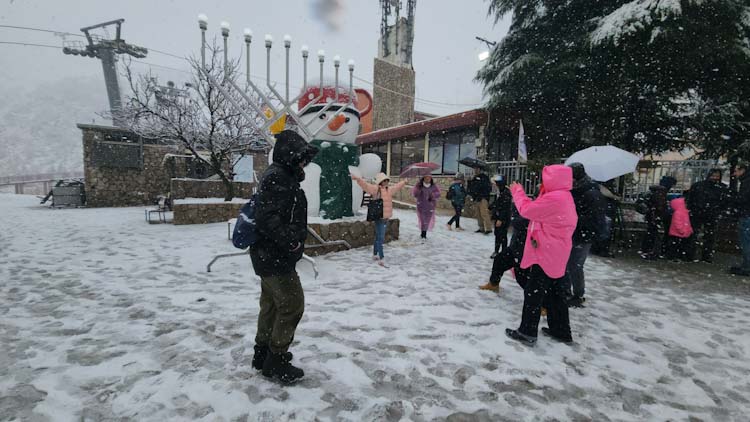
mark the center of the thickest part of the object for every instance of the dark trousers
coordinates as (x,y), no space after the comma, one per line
(574,275)
(282,303)
(707,225)
(501,238)
(652,242)
(457,209)
(543,291)
(679,248)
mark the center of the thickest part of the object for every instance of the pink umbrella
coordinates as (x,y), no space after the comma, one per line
(419,169)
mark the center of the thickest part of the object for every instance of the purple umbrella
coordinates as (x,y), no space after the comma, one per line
(419,169)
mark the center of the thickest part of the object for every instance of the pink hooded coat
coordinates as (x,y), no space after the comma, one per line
(680,226)
(552,221)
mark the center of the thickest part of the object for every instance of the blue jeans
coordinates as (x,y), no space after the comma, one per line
(744,231)
(379,237)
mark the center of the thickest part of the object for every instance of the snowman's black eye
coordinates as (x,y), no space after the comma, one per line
(348,120)
(322,116)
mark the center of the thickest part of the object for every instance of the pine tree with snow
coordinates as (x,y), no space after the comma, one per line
(646,75)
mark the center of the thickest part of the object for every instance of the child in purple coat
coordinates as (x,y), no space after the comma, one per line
(427,193)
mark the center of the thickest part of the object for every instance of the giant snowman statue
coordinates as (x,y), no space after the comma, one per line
(328,185)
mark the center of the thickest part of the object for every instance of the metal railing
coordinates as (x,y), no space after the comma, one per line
(515,171)
(648,173)
(686,172)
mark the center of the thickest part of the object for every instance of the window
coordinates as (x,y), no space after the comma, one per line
(436,154)
(451,155)
(395,157)
(411,152)
(467,149)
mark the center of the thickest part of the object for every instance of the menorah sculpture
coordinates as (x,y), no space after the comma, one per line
(325,116)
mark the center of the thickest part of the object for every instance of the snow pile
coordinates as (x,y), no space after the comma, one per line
(633,17)
(105,317)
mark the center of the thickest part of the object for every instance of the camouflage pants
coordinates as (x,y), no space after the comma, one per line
(282,303)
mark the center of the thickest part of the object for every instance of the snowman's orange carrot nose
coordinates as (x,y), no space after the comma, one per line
(337,122)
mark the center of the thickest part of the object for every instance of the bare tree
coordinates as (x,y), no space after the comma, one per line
(199,117)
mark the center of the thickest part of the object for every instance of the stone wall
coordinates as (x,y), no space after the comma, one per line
(197,188)
(393,95)
(118,186)
(357,233)
(206,213)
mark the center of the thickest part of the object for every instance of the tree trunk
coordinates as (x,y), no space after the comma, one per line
(228,185)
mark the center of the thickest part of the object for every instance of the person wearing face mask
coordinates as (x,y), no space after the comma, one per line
(427,193)
(706,202)
(281,225)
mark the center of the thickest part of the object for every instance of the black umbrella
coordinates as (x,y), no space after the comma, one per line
(473,163)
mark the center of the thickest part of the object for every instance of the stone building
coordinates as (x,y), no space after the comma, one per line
(124,169)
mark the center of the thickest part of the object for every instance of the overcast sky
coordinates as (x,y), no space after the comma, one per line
(445,51)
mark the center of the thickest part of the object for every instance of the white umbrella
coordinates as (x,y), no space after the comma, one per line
(605,162)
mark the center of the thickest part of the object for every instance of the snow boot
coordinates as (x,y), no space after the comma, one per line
(523,338)
(459,229)
(278,367)
(489,286)
(562,339)
(260,356)
(576,302)
(449,227)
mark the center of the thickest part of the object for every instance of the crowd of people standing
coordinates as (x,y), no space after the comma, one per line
(552,235)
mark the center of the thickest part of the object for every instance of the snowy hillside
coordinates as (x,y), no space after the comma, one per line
(38,132)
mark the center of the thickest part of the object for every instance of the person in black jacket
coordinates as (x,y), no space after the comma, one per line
(480,190)
(500,215)
(742,204)
(511,256)
(281,224)
(706,202)
(590,209)
(657,217)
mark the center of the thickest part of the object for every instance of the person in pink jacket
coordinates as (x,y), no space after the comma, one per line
(380,189)
(680,230)
(427,194)
(552,221)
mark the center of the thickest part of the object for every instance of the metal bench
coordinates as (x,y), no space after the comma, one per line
(163,206)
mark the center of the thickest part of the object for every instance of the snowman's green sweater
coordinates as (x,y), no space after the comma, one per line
(334,160)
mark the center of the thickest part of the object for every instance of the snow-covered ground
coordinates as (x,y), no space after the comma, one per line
(105,317)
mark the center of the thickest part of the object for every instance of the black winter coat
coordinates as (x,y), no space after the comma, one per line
(512,255)
(501,207)
(480,187)
(706,199)
(742,198)
(656,201)
(590,209)
(281,210)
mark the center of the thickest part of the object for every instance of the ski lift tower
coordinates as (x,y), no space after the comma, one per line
(106,49)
